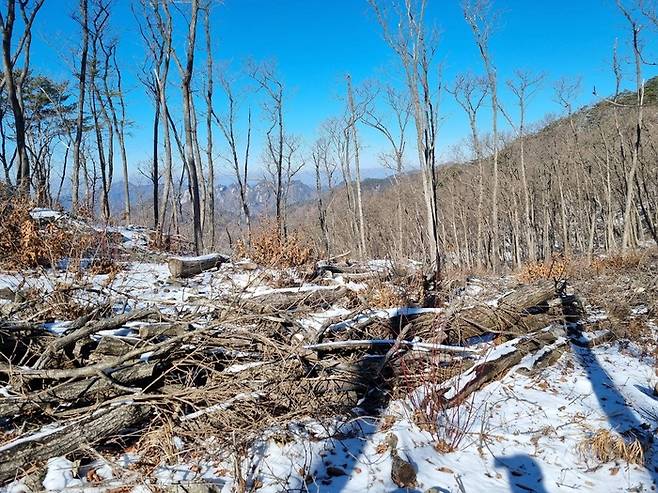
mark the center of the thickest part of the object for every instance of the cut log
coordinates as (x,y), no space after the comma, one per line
(39,447)
(89,390)
(511,315)
(383,344)
(182,267)
(495,369)
(89,329)
(290,300)
(162,330)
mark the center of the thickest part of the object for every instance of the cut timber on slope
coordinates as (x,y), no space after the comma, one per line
(61,441)
(510,314)
(496,368)
(182,267)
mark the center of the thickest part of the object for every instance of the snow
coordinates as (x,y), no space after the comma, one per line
(60,475)
(32,437)
(523,433)
(525,436)
(41,213)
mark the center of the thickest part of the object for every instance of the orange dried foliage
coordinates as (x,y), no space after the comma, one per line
(270,248)
(558,267)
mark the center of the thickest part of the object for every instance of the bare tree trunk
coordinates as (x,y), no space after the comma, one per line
(209,94)
(635,150)
(357,168)
(186,73)
(7,24)
(120,125)
(155,171)
(82,83)
(475,14)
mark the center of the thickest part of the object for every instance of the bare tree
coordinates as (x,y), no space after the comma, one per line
(100,69)
(354,117)
(118,116)
(478,15)
(186,71)
(82,85)
(395,134)
(209,111)
(406,34)
(265,76)
(13,85)
(523,88)
(227,125)
(319,153)
(635,150)
(469,91)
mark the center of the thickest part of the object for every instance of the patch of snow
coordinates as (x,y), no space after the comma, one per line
(41,213)
(60,475)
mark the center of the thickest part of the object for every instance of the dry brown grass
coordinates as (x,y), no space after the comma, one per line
(618,262)
(270,248)
(383,295)
(563,267)
(27,243)
(606,446)
(558,267)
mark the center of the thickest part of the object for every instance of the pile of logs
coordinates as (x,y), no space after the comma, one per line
(247,367)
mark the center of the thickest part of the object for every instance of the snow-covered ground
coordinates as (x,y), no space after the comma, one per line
(524,433)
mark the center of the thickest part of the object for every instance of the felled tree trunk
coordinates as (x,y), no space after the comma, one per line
(320,298)
(88,390)
(64,440)
(511,314)
(495,369)
(182,267)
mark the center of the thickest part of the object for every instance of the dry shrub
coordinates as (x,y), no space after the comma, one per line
(27,243)
(168,243)
(562,267)
(270,248)
(618,262)
(281,279)
(23,243)
(424,377)
(383,295)
(607,446)
(558,267)
(401,287)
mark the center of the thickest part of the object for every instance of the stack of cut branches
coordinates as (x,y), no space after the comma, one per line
(241,368)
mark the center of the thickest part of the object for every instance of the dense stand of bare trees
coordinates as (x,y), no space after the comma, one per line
(581,183)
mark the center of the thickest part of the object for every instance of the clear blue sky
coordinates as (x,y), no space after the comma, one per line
(316,42)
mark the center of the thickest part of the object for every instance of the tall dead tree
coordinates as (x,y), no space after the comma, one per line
(83,20)
(319,153)
(395,134)
(265,76)
(353,119)
(156,29)
(186,71)
(469,91)
(637,141)
(102,122)
(227,125)
(478,15)
(524,86)
(209,141)
(118,119)
(407,35)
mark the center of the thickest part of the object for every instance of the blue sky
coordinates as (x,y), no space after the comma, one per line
(316,42)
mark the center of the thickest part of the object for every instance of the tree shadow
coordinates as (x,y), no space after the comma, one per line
(346,455)
(523,473)
(619,412)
